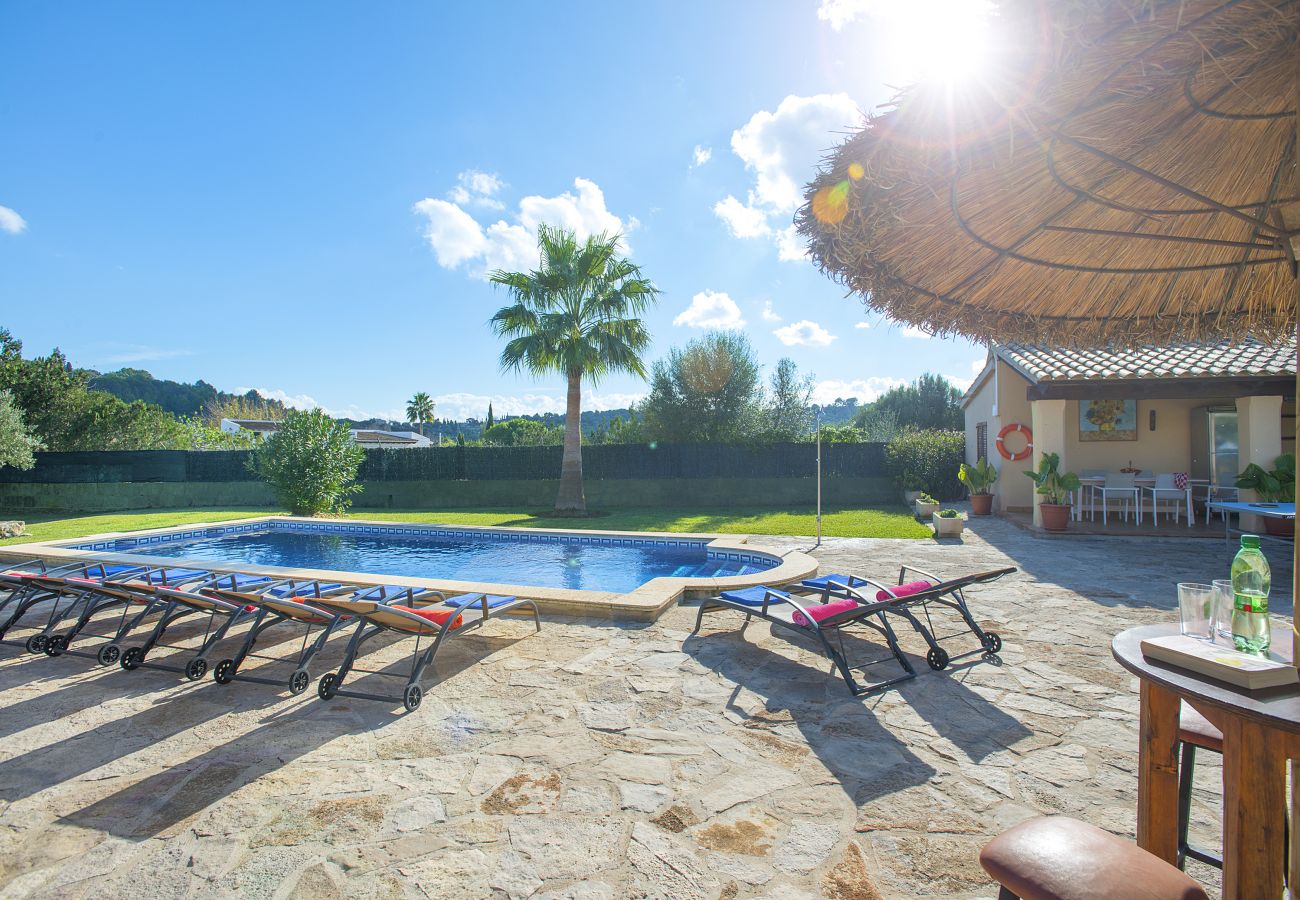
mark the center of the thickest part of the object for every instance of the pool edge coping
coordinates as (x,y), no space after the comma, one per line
(645,603)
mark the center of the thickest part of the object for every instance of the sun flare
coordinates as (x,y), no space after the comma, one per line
(938,40)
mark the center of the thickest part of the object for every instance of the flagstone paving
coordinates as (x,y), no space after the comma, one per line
(596,760)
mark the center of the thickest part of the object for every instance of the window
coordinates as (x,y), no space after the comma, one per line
(981,441)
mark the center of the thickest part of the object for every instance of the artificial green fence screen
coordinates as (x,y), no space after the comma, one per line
(456,463)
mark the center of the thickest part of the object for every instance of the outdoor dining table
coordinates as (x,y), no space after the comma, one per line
(1261,731)
(1140,481)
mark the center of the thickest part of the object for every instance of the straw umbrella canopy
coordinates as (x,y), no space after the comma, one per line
(1126,175)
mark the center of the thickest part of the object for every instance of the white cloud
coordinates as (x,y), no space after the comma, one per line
(11,222)
(862,326)
(911,331)
(804,334)
(768,313)
(959,382)
(789,246)
(452,233)
(700,156)
(456,237)
(841,12)
(781,149)
(711,309)
(865,389)
(977,365)
(743,220)
(477,188)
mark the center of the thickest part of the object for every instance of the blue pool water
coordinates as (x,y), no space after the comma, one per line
(574,565)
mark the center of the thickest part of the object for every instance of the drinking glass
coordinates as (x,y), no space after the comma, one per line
(1195,606)
(1223,604)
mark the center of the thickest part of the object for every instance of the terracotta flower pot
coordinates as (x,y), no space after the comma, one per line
(1056,516)
(981,504)
(1279,527)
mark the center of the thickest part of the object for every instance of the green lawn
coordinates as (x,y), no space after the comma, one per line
(887,522)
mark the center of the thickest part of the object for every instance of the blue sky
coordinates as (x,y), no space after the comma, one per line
(302,198)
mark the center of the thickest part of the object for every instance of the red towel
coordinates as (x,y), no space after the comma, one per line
(436,616)
(824,611)
(905,590)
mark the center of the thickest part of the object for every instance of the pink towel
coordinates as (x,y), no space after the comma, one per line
(824,611)
(905,590)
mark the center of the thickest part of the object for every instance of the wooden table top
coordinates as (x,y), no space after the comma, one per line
(1277,708)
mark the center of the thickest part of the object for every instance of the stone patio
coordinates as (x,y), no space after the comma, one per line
(597,760)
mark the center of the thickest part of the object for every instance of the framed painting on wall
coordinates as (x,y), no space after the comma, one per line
(1108,420)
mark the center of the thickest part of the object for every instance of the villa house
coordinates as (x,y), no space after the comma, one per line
(259,427)
(368,438)
(1203,409)
(389,440)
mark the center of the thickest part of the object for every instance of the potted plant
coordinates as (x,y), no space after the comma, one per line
(912,490)
(1055,488)
(1276,486)
(926,506)
(947,523)
(979,479)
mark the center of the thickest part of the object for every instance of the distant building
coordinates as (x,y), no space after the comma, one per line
(389,440)
(260,428)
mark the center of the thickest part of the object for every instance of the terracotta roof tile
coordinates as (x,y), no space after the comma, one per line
(1222,359)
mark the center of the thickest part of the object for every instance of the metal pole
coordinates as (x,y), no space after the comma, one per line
(819,477)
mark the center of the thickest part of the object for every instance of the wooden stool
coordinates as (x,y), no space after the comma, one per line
(1194,730)
(1059,858)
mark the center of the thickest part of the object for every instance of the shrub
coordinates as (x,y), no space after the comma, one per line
(927,461)
(17,444)
(311,463)
(948,514)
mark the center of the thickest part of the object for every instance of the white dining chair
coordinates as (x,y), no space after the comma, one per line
(1119,485)
(1224,492)
(1166,486)
(1090,492)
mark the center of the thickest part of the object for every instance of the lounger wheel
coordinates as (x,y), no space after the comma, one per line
(37,643)
(411,697)
(196,668)
(224,672)
(108,654)
(56,645)
(325,689)
(132,658)
(298,681)
(992,642)
(937,658)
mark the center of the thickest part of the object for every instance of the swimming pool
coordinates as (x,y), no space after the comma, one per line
(572,563)
(624,575)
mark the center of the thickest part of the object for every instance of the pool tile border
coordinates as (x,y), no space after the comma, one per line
(645,603)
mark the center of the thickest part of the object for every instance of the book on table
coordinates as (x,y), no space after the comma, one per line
(1218,661)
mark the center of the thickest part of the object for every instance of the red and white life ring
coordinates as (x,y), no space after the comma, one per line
(1029,442)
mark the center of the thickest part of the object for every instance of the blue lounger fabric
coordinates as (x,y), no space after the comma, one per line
(494,600)
(754,596)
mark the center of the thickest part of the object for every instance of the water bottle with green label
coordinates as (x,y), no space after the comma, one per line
(1251,581)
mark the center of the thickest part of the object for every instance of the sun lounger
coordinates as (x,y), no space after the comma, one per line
(75,583)
(130,591)
(172,604)
(380,610)
(292,603)
(823,623)
(915,590)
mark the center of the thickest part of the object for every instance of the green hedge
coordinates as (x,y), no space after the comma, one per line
(928,461)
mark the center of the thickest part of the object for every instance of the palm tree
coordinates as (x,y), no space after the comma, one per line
(576,315)
(419,409)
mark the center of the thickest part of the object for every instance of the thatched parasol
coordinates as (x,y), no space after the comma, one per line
(1130,177)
